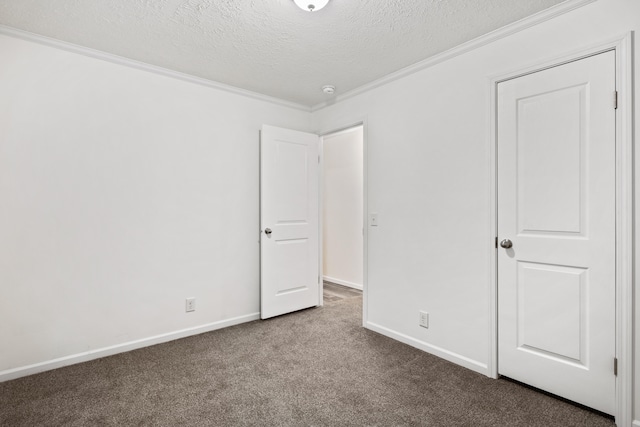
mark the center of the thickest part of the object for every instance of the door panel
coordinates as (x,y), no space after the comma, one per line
(556,203)
(289,209)
(550,194)
(552,298)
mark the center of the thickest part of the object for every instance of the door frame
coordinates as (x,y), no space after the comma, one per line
(365,225)
(622,45)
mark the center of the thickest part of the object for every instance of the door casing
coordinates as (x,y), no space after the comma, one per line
(622,46)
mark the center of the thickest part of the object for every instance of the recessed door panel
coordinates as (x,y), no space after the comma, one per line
(292,265)
(552,298)
(551,135)
(292,186)
(556,204)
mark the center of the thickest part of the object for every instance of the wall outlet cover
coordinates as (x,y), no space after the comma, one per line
(424,319)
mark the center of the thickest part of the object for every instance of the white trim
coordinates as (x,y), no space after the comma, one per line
(120,60)
(492,365)
(365,222)
(636,423)
(341,132)
(338,130)
(624,229)
(624,213)
(342,282)
(23,371)
(500,33)
(456,358)
(507,30)
(321,219)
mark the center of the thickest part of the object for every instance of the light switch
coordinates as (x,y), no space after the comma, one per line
(373,219)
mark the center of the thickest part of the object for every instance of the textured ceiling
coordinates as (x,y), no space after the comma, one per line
(270,46)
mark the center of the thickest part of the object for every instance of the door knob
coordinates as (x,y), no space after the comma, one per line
(506,243)
(268,231)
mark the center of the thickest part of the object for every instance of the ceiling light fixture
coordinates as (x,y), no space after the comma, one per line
(311,5)
(329,89)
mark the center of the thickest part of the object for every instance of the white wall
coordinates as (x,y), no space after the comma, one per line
(122,192)
(115,202)
(429,179)
(342,208)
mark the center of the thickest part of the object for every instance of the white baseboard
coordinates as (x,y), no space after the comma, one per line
(466,362)
(23,371)
(342,282)
(636,423)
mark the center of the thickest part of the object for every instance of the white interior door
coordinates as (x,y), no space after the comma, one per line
(556,205)
(289,277)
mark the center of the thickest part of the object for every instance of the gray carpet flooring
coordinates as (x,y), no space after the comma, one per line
(334,292)
(316,367)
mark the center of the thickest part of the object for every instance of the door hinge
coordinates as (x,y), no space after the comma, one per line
(615,366)
(496,242)
(615,100)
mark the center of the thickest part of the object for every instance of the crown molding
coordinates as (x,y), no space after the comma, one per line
(476,43)
(120,60)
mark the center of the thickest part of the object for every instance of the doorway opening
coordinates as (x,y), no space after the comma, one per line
(342,214)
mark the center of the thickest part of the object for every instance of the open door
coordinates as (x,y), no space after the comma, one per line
(289,229)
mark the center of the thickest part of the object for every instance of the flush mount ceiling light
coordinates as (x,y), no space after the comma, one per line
(311,5)
(329,89)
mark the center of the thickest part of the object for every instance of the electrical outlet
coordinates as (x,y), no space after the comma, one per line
(424,319)
(190,304)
